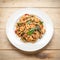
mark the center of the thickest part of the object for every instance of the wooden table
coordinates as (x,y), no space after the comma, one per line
(51,51)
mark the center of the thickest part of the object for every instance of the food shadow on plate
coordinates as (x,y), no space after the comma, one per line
(41,54)
(38,54)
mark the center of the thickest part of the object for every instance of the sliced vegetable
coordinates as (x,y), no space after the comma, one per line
(28,22)
(38,28)
(41,22)
(29,28)
(31,31)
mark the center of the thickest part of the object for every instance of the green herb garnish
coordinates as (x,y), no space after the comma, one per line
(38,28)
(31,31)
(41,22)
(28,22)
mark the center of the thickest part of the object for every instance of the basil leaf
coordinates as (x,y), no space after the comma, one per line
(31,31)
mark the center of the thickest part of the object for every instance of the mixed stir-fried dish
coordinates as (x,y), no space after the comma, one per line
(29,28)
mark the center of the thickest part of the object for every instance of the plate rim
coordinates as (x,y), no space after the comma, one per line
(29,50)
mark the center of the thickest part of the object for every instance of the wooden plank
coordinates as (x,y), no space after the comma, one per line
(17,55)
(29,3)
(5,13)
(29,0)
(54,14)
(54,44)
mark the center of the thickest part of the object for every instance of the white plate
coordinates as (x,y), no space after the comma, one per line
(29,47)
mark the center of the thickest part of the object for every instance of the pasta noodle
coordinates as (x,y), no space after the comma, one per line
(29,28)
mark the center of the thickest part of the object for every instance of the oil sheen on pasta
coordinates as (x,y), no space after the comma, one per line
(29,28)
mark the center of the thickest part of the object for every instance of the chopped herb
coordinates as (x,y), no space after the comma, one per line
(31,31)
(41,22)
(38,28)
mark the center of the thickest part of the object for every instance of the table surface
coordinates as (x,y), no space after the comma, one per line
(51,51)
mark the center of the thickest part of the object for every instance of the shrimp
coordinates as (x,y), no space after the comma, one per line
(30,28)
(35,35)
(22,28)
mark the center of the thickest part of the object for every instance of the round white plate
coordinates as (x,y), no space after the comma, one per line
(29,47)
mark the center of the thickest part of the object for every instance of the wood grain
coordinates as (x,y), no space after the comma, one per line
(30,3)
(51,51)
(54,44)
(54,14)
(17,55)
